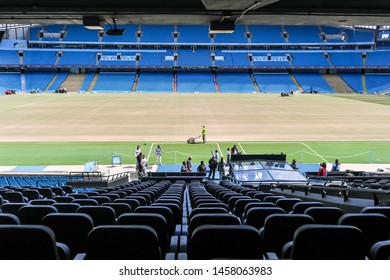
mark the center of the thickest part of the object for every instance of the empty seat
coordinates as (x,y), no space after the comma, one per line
(42,202)
(326,242)
(27,242)
(208,210)
(325,215)
(46,192)
(225,242)
(121,242)
(385,210)
(375,227)
(63,199)
(79,195)
(155,221)
(287,204)
(380,251)
(71,229)
(66,207)
(273,198)
(12,207)
(280,228)
(101,215)
(33,214)
(133,203)
(100,199)
(119,208)
(9,219)
(257,215)
(13,196)
(211,219)
(164,211)
(300,207)
(239,207)
(83,201)
(31,194)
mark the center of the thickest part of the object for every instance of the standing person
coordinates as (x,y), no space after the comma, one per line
(322,170)
(184,167)
(215,155)
(204,134)
(336,165)
(213,164)
(201,167)
(294,164)
(158,154)
(189,164)
(228,156)
(137,151)
(221,168)
(234,150)
(139,163)
(144,164)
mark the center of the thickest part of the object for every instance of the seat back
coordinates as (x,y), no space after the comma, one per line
(101,215)
(119,242)
(13,196)
(300,207)
(33,214)
(27,242)
(280,228)
(239,207)
(380,251)
(162,210)
(71,229)
(211,219)
(155,221)
(119,208)
(328,242)
(287,204)
(385,210)
(12,207)
(66,207)
(225,242)
(325,215)
(9,219)
(375,227)
(206,210)
(256,216)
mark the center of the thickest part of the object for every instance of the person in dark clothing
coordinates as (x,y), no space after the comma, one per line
(213,164)
(201,167)
(189,164)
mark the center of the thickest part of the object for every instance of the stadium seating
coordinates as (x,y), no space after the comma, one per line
(195,82)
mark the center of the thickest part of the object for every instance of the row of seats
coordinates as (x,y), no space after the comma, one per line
(198,221)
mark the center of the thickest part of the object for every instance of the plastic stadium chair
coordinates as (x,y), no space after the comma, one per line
(325,242)
(87,201)
(122,243)
(380,251)
(162,210)
(71,229)
(12,207)
(33,214)
(100,199)
(31,194)
(42,202)
(374,226)
(155,221)
(101,215)
(13,196)
(325,215)
(27,242)
(287,204)
(119,208)
(67,207)
(256,216)
(225,242)
(239,207)
(79,195)
(385,210)
(300,207)
(63,199)
(133,203)
(9,219)
(280,228)
(209,210)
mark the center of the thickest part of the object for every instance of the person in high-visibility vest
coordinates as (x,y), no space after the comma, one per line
(204,134)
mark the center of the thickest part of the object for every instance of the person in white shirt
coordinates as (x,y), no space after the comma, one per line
(158,154)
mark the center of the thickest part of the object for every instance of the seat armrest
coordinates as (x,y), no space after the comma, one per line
(286,250)
(80,256)
(63,251)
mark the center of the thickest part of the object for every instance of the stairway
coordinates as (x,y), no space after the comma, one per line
(51,82)
(74,82)
(296,83)
(91,86)
(337,83)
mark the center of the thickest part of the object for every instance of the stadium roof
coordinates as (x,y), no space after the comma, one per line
(324,12)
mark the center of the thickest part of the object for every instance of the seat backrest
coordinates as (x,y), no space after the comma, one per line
(13,196)
(176,210)
(46,192)
(42,202)
(133,203)
(300,207)
(385,210)
(256,216)
(280,228)
(122,242)
(287,204)
(33,214)
(155,221)
(233,200)
(211,219)
(86,201)
(162,210)
(12,207)
(239,207)
(380,251)
(225,242)
(325,215)
(9,219)
(79,195)
(27,242)
(374,226)
(31,194)
(327,242)
(63,199)
(119,208)
(273,198)
(206,210)
(66,207)
(71,229)
(101,215)
(100,199)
